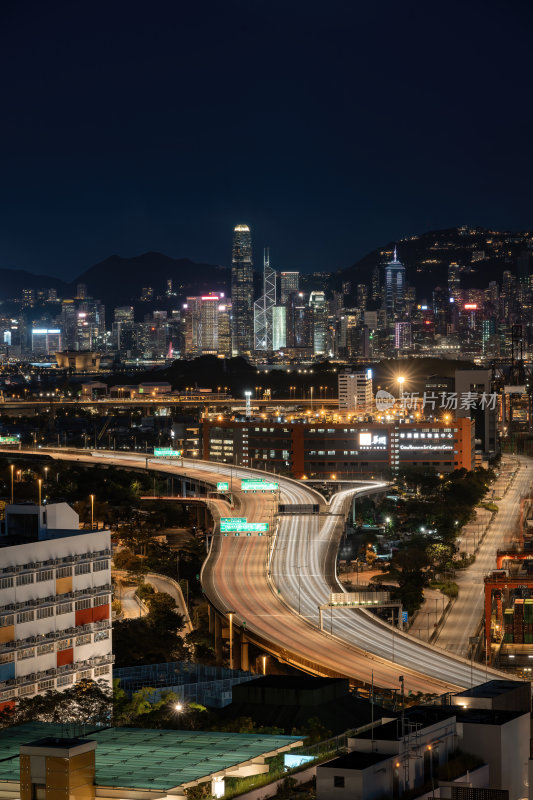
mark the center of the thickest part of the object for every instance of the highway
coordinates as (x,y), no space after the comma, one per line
(301,564)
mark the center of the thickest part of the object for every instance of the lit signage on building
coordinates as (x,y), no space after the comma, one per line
(166,452)
(222,486)
(9,440)
(241,525)
(470,306)
(372,441)
(250,485)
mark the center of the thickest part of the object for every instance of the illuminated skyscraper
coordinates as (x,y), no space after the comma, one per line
(289,283)
(394,285)
(242,291)
(263,307)
(317,302)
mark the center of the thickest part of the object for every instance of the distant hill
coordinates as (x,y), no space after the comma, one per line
(119,280)
(483,255)
(13,281)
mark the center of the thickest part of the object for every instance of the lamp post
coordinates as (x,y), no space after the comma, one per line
(40,483)
(230,615)
(92,511)
(12,467)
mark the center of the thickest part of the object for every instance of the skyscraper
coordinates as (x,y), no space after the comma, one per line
(242,291)
(263,307)
(289,283)
(394,284)
(317,302)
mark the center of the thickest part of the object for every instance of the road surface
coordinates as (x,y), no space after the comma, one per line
(467,611)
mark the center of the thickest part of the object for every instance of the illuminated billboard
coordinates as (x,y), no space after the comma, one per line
(9,440)
(166,452)
(372,440)
(252,485)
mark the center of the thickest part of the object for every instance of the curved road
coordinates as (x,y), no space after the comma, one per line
(301,563)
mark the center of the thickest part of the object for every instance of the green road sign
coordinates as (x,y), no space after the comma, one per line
(239,525)
(9,440)
(252,485)
(166,452)
(222,486)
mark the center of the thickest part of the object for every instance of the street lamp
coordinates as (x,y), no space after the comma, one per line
(178,707)
(401,381)
(92,511)
(12,467)
(40,483)
(230,615)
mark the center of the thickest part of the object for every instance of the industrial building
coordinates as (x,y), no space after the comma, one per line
(323,449)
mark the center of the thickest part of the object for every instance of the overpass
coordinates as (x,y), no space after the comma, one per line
(271,587)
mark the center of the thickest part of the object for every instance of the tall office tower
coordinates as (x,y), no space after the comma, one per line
(201,325)
(169,288)
(454,282)
(317,302)
(52,295)
(362,296)
(147,294)
(224,329)
(355,391)
(299,322)
(522,268)
(45,340)
(394,285)
(242,291)
(336,304)
(263,307)
(402,336)
(289,282)
(68,324)
(55,602)
(346,287)
(81,291)
(279,328)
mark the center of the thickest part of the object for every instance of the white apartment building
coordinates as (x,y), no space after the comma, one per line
(55,601)
(355,391)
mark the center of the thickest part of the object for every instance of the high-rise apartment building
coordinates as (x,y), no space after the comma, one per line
(289,282)
(355,391)
(55,602)
(202,317)
(242,291)
(394,285)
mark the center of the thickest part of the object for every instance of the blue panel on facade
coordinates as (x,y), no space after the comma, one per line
(7,671)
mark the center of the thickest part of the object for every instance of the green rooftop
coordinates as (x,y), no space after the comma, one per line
(138,758)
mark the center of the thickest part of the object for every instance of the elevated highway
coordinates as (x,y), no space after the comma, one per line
(274,585)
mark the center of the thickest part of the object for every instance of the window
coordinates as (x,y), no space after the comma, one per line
(5,658)
(46,611)
(25,616)
(81,604)
(29,652)
(25,579)
(64,608)
(45,575)
(45,648)
(7,619)
(101,635)
(64,644)
(98,566)
(102,670)
(85,675)
(338,781)
(64,572)
(82,569)
(63,680)
(48,684)
(27,689)
(101,600)
(84,639)
(6,583)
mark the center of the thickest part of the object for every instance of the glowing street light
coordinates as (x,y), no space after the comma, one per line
(92,511)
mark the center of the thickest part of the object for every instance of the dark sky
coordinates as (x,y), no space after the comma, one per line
(330,128)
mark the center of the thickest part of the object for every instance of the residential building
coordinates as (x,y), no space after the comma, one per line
(355,391)
(55,601)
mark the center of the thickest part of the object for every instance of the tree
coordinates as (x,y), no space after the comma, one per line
(87,702)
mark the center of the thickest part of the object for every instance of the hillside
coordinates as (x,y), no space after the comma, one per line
(483,256)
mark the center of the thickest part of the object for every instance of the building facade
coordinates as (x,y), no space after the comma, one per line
(55,602)
(242,291)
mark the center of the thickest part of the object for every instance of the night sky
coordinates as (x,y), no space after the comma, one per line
(330,128)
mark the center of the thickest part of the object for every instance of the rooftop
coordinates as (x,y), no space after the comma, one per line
(356,760)
(150,759)
(491,688)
